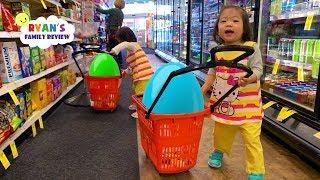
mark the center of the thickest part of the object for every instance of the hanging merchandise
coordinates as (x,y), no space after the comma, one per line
(8,20)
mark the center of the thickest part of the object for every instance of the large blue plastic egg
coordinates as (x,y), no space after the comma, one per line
(182,95)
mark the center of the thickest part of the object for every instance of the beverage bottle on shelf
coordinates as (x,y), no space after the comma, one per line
(290,49)
(303,47)
(316,59)
(296,50)
(284,6)
(309,51)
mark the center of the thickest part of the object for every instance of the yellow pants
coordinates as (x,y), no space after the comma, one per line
(139,86)
(223,138)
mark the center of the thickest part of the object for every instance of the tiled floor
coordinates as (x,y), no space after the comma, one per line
(280,163)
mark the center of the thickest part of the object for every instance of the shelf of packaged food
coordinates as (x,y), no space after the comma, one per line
(35,116)
(21,82)
(289,100)
(295,15)
(288,63)
(4,34)
(70,20)
(76,2)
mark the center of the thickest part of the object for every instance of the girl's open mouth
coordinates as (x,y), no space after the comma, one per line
(228,31)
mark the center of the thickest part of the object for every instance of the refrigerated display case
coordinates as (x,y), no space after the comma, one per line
(290,44)
(196,31)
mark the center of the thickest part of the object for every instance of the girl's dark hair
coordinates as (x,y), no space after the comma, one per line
(247,32)
(126,34)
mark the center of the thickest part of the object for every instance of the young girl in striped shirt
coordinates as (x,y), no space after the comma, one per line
(139,66)
(242,110)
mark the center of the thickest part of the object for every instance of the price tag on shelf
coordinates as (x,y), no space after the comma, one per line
(276,66)
(300,73)
(58,10)
(34,130)
(285,113)
(268,104)
(43,4)
(308,23)
(14,97)
(4,160)
(41,123)
(317,135)
(14,149)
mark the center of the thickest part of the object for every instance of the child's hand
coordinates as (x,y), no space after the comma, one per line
(243,81)
(112,52)
(128,71)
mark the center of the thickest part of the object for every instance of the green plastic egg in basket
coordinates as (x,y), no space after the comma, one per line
(104,64)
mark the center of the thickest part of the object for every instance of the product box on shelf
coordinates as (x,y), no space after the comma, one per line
(22,101)
(43,59)
(38,93)
(24,57)
(50,59)
(35,60)
(29,109)
(50,96)
(59,54)
(10,67)
(11,111)
(5,128)
(1,20)
(56,86)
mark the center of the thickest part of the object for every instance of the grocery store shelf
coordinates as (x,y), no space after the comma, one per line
(35,116)
(288,63)
(54,2)
(16,84)
(70,20)
(294,15)
(4,34)
(76,2)
(289,100)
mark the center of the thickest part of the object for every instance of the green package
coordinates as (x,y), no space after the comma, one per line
(35,60)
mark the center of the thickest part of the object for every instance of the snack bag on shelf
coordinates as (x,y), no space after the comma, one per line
(24,57)
(50,96)
(58,51)
(23,109)
(8,20)
(19,7)
(35,60)
(50,59)
(71,77)
(56,86)
(43,59)
(38,93)
(11,111)
(1,20)
(63,80)
(5,128)
(11,69)
(29,109)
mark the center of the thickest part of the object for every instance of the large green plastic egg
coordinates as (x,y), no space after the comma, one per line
(104,64)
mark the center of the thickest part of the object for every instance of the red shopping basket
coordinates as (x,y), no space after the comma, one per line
(171,141)
(104,92)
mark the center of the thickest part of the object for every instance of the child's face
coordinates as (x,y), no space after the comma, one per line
(230,26)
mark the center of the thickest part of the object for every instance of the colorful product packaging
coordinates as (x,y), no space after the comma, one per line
(35,60)
(38,93)
(23,110)
(56,86)
(50,96)
(10,64)
(43,59)
(1,20)
(28,102)
(19,7)
(24,57)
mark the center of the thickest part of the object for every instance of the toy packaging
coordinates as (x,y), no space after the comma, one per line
(24,57)
(43,59)
(10,65)
(35,60)
(8,20)
(23,110)
(38,94)
(29,109)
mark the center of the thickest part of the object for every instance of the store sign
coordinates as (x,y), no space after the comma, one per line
(44,32)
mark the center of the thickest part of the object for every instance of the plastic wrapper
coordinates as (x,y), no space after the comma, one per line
(8,20)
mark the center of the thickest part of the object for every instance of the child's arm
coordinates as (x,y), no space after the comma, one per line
(255,64)
(209,81)
(124,45)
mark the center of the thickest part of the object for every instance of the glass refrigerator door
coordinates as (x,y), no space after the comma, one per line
(196,31)
(169,27)
(183,28)
(176,28)
(291,51)
(211,9)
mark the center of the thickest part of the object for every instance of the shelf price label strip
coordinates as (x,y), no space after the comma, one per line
(317,135)
(285,113)
(14,97)
(308,23)
(276,66)
(4,160)
(41,123)
(268,104)
(14,149)
(34,130)
(43,4)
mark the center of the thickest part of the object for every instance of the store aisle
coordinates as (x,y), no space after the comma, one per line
(78,143)
(279,161)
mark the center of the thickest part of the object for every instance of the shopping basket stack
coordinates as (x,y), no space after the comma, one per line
(171,141)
